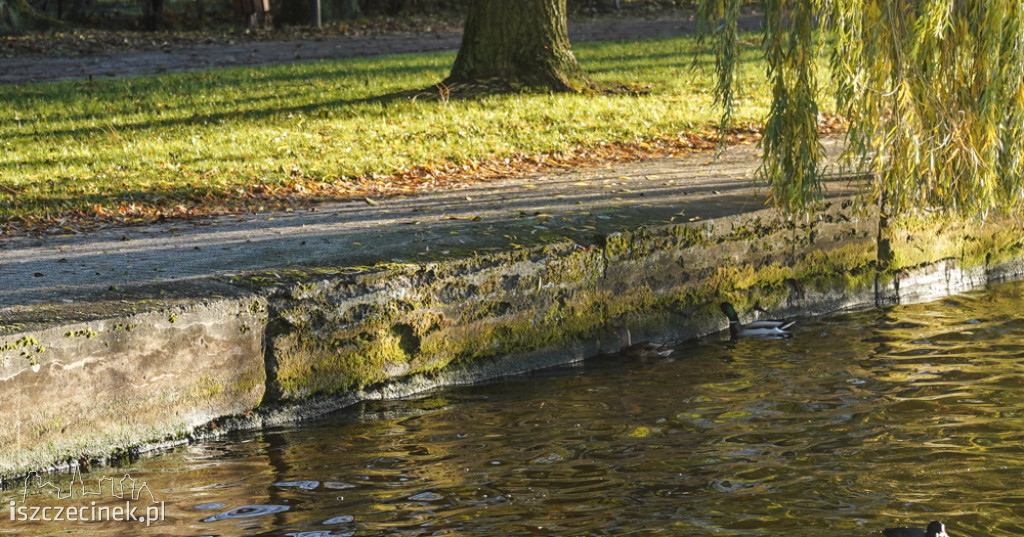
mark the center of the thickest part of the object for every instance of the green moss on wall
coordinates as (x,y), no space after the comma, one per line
(358,328)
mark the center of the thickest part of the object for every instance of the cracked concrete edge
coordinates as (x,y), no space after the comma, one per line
(195,368)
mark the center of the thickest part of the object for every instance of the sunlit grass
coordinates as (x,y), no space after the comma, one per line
(205,137)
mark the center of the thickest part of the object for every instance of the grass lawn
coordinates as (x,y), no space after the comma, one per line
(137,149)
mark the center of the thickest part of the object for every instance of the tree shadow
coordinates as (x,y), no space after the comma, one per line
(446,91)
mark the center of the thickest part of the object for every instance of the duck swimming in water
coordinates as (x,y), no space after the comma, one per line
(934,529)
(642,350)
(763,329)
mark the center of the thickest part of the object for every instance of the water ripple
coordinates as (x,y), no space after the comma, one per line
(248,511)
(861,421)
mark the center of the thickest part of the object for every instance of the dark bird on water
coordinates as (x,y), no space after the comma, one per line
(934,529)
(642,350)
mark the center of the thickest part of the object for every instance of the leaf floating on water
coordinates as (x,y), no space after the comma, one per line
(640,432)
(370,201)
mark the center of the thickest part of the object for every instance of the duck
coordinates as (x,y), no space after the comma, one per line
(764,329)
(934,529)
(642,350)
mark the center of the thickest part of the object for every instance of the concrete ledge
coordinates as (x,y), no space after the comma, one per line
(157,363)
(87,389)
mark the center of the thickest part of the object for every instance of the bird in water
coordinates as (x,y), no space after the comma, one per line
(642,350)
(934,529)
(763,329)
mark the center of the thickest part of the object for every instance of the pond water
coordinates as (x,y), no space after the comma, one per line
(859,422)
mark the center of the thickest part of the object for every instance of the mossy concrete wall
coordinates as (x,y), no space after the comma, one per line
(341,330)
(310,339)
(87,389)
(929,255)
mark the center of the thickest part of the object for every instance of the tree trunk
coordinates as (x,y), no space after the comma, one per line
(316,13)
(152,14)
(8,18)
(350,10)
(518,42)
(77,11)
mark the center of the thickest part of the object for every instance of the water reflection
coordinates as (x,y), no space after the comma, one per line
(247,511)
(859,422)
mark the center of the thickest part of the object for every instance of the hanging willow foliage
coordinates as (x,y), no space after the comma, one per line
(933,91)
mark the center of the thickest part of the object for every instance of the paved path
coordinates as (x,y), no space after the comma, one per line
(21,70)
(115,264)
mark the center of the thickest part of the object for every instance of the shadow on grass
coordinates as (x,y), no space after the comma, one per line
(437,92)
(466,91)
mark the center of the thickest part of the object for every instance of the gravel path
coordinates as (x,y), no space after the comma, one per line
(22,70)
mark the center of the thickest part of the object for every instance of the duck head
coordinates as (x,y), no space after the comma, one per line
(729,312)
(935,529)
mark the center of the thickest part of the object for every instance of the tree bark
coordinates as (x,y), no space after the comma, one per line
(152,14)
(524,42)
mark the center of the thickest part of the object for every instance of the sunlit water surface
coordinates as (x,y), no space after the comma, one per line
(859,422)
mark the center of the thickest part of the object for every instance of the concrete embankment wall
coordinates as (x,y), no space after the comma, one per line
(292,343)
